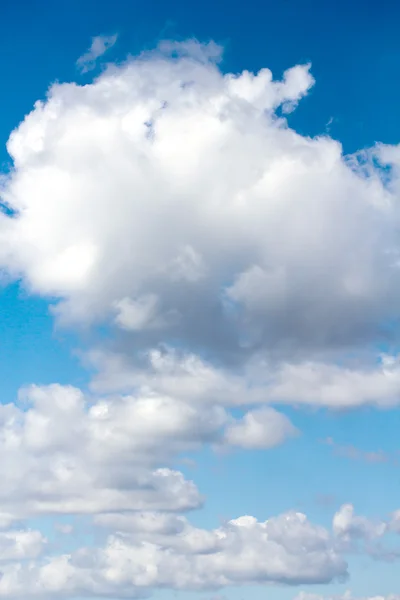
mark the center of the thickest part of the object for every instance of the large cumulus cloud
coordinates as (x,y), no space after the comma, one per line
(168,197)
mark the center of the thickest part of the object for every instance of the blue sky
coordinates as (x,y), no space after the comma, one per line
(123,253)
(354,51)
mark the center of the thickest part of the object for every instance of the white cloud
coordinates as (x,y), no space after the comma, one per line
(101,457)
(348,525)
(339,386)
(171,180)
(361,534)
(285,549)
(145,550)
(99,46)
(188,377)
(262,428)
(124,454)
(167,200)
(69,455)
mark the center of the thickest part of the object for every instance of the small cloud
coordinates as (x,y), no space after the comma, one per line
(99,46)
(260,429)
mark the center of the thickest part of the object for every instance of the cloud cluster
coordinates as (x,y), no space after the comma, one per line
(144,550)
(262,428)
(108,458)
(153,550)
(67,453)
(233,261)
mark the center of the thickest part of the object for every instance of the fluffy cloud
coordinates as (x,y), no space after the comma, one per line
(260,428)
(167,196)
(231,259)
(165,551)
(145,550)
(101,457)
(68,455)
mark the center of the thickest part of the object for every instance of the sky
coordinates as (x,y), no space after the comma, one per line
(199,303)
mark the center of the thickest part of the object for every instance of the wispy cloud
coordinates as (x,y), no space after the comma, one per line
(353,453)
(99,46)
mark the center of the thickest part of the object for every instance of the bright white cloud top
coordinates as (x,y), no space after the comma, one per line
(234,261)
(169,196)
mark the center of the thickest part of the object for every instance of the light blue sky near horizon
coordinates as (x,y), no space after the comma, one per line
(354,49)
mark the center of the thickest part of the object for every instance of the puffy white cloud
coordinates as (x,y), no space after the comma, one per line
(285,549)
(158,553)
(70,454)
(99,46)
(169,190)
(262,428)
(66,454)
(145,550)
